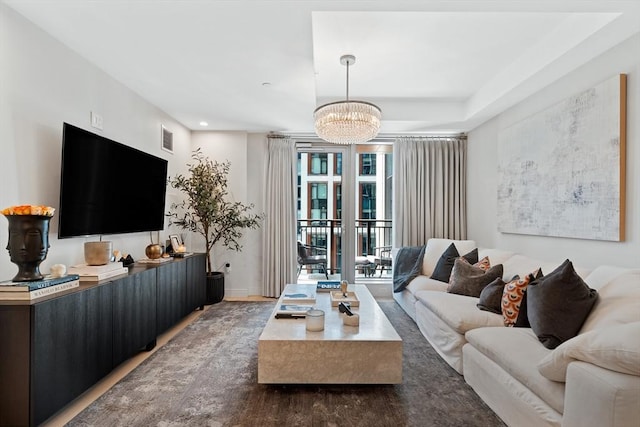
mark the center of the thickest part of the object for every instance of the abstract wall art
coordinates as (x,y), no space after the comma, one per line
(561,171)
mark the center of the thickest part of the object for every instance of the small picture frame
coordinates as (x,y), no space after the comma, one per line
(166,139)
(176,242)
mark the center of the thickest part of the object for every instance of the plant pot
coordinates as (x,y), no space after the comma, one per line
(215,287)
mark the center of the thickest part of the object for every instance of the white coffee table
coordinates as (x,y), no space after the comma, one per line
(368,354)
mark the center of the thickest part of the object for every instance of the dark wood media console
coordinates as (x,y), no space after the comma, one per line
(55,348)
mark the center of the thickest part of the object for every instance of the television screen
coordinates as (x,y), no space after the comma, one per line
(107,187)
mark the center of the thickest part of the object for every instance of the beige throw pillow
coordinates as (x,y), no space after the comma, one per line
(616,348)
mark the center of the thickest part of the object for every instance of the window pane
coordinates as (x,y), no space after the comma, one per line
(338,164)
(338,200)
(322,191)
(317,200)
(318,163)
(368,200)
(368,164)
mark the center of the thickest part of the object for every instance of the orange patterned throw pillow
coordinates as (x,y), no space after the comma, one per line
(484,264)
(512,298)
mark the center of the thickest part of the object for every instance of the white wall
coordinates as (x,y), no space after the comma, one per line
(42,85)
(482,169)
(245,152)
(256,154)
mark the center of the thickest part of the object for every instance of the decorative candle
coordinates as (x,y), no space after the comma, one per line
(315,320)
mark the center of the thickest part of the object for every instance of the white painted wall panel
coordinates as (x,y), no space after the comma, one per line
(483,168)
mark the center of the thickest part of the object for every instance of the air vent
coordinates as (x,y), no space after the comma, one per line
(167,140)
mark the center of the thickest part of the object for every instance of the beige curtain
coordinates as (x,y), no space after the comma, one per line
(429,198)
(279,228)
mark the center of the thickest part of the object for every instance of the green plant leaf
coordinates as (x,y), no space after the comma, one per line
(206,209)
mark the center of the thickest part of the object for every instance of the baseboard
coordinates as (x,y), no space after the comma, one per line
(236,293)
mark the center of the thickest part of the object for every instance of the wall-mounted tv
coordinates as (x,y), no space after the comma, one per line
(107,187)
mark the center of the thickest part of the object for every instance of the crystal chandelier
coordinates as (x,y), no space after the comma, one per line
(347,122)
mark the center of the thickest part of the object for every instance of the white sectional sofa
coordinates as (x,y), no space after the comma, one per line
(590,380)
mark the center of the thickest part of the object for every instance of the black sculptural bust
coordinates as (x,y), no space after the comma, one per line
(28,244)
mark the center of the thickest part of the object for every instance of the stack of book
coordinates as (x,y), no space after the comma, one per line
(296,300)
(288,311)
(154,261)
(298,293)
(328,285)
(95,273)
(38,288)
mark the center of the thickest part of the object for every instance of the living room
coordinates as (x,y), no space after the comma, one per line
(46,83)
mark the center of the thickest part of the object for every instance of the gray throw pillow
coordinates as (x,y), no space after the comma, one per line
(523,320)
(442,271)
(469,280)
(491,296)
(558,304)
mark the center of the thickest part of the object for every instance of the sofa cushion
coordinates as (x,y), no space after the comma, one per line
(484,264)
(470,280)
(522,321)
(424,283)
(491,296)
(618,300)
(519,264)
(558,304)
(616,348)
(604,274)
(512,297)
(457,311)
(445,264)
(518,351)
(435,248)
(496,256)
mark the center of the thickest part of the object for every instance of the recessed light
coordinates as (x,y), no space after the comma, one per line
(204,124)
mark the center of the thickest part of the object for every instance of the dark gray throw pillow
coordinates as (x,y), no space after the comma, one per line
(442,272)
(558,304)
(491,296)
(522,321)
(469,280)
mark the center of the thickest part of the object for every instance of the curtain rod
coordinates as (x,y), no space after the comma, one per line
(312,137)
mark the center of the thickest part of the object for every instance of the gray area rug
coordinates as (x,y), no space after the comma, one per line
(207,376)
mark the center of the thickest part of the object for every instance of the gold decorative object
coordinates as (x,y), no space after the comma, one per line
(153,251)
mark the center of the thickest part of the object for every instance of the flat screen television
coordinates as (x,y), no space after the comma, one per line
(107,187)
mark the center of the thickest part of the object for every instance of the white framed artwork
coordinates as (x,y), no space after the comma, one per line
(561,172)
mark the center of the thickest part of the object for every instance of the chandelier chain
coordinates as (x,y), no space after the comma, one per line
(348,80)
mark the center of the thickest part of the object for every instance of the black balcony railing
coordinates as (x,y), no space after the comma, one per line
(371,236)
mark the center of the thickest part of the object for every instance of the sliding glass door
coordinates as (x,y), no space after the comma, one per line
(321,209)
(344,212)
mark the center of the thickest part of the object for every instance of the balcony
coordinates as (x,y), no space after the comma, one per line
(373,240)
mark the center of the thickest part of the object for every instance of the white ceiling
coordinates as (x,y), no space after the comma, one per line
(432,66)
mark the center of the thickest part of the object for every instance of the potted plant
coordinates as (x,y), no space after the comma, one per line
(207,210)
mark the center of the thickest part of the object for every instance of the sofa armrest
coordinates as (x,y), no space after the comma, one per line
(600,397)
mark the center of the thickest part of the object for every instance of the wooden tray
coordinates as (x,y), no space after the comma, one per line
(351,298)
